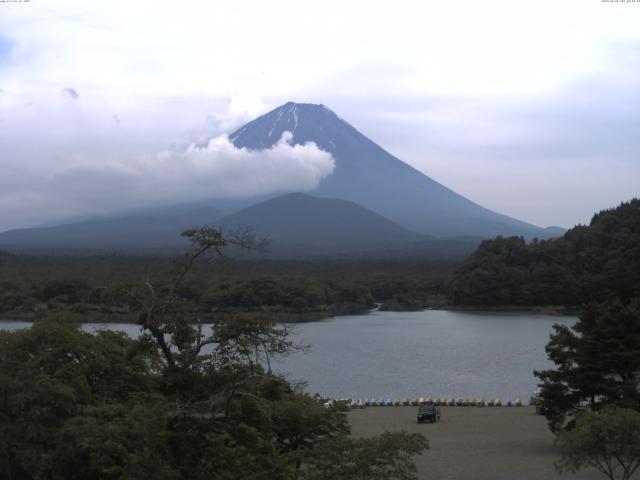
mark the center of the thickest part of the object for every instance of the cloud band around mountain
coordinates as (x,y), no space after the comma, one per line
(218,169)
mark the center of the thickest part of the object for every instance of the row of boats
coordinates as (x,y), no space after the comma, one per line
(445,402)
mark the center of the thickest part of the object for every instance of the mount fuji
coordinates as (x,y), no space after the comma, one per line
(369,176)
(372,200)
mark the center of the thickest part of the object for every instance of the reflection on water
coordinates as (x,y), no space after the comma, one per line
(397,354)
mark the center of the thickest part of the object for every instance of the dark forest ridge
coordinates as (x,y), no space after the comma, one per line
(589,263)
(301,219)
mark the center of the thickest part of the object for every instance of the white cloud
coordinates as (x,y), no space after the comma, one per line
(79,186)
(154,49)
(239,110)
(147,71)
(221,170)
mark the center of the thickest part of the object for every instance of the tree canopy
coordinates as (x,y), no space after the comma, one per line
(591,263)
(181,401)
(387,457)
(607,440)
(597,363)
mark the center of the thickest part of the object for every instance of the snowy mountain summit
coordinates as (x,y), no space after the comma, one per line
(372,177)
(371,202)
(306,122)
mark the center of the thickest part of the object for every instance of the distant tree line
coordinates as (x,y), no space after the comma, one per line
(33,286)
(293,293)
(266,294)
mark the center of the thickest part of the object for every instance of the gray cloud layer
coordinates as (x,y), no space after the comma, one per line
(81,186)
(543,127)
(71,92)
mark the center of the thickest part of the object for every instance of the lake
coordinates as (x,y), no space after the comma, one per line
(435,353)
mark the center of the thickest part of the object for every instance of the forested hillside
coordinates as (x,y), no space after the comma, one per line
(34,286)
(587,264)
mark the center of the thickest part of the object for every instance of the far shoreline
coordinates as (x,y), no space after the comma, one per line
(289,317)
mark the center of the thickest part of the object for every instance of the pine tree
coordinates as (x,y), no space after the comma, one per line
(597,363)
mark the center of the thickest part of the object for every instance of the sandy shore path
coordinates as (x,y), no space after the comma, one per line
(474,443)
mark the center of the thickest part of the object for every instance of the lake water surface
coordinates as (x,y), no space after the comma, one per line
(401,354)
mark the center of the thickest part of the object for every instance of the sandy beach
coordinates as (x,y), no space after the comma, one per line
(475,443)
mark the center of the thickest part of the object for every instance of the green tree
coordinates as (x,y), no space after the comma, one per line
(593,263)
(54,374)
(182,401)
(597,363)
(608,440)
(387,457)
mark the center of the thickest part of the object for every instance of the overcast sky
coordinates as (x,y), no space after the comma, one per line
(529,108)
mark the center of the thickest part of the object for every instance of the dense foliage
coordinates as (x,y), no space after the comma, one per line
(31,287)
(607,440)
(597,363)
(74,405)
(179,402)
(288,293)
(589,263)
(389,456)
